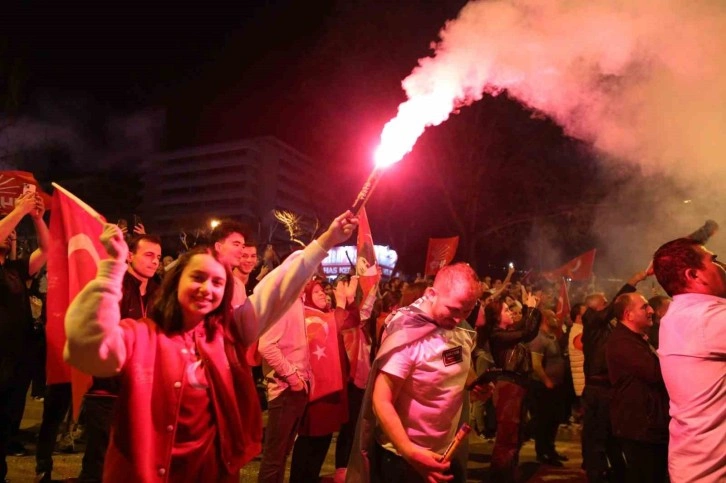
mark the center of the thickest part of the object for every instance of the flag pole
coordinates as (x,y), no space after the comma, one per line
(86,207)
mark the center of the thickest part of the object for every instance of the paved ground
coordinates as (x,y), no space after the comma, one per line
(22,469)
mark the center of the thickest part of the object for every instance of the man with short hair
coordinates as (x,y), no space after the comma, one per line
(692,354)
(639,404)
(138,290)
(601,454)
(16,321)
(416,386)
(548,371)
(246,266)
(659,304)
(228,240)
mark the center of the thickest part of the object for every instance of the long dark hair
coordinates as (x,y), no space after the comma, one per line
(493,312)
(166,310)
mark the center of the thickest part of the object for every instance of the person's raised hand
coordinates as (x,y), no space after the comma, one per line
(112,240)
(25,203)
(339,230)
(37,213)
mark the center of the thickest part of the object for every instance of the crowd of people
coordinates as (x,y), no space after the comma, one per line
(178,349)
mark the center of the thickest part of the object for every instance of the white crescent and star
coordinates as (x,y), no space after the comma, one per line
(320,352)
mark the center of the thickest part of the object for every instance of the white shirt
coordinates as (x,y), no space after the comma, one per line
(434,370)
(692,352)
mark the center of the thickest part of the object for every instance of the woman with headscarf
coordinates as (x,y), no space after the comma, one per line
(327,408)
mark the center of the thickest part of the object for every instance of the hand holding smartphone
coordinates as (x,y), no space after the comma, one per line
(28,188)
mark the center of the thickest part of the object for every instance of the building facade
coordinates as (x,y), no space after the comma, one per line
(245,180)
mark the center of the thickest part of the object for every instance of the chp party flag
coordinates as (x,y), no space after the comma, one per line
(357,345)
(366,265)
(12,184)
(578,269)
(440,253)
(563,302)
(75,252)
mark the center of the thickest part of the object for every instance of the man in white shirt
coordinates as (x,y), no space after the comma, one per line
(692,352)
(418,383)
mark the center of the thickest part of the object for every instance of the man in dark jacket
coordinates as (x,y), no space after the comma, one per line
(639,405)
(602,457)
(138,291)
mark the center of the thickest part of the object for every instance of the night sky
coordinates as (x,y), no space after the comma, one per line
(323,76)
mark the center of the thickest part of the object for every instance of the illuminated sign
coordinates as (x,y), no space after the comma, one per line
(339,260)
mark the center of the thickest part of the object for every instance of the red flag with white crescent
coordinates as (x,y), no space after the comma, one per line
(11,186)
(563,302)
(440,253)
(578,269)
(322,334)
(73,258)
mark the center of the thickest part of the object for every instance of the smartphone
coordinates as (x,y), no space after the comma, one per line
(137,220)
(28,188)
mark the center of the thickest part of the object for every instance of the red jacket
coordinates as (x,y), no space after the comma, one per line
(145,422)
(151,365)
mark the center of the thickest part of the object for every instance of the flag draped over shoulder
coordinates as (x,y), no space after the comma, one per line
(578,269)
(75,251)
(11,186)
(440,253)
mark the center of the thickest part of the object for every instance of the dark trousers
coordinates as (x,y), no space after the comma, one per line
(5,424)
(56,404)
(645,462)
(509,404)
(547,409)
(99,415)
(14,382)
(284,415)
(346,435)
(308,456)
(602,457)
(387,467)
(17,396)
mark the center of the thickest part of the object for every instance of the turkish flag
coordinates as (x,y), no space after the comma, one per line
(440,253)
(563,302)
(11,186)
(75,251)
(322,334)
(579,268)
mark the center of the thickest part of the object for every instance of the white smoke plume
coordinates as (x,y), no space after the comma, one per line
(643,81)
